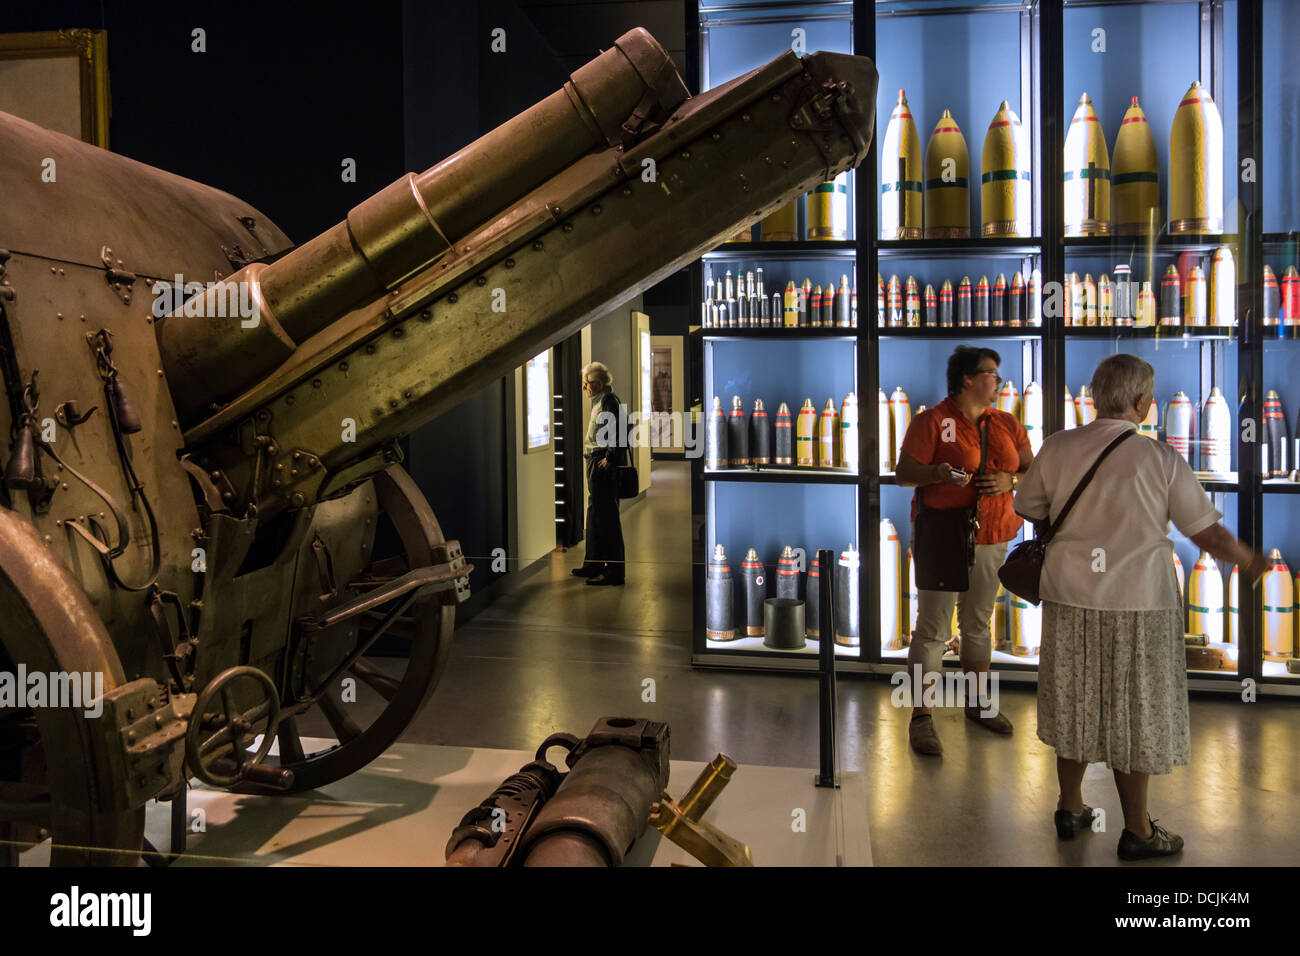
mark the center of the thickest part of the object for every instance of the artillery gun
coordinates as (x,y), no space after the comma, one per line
(192,486)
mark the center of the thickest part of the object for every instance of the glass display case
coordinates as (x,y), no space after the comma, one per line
(1054,184)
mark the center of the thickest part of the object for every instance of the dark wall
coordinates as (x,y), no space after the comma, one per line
(268,113)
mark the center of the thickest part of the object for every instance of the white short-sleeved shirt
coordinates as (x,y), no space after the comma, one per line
(1120,522)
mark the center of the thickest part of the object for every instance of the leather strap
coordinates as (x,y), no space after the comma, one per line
(1055,526)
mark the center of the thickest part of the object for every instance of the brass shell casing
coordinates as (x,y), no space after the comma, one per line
(901,190)
(1135,176)
(1086,174)
(1005,179)
(1196,165)
(947,182)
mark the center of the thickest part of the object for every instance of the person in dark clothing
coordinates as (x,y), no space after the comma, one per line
(603,452)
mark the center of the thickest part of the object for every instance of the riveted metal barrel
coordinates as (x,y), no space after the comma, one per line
(411,224)
(719,599)
(754,584)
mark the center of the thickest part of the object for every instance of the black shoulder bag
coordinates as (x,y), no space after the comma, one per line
(1022,572)
(943,548)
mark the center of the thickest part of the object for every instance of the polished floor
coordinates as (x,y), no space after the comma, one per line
(556,655)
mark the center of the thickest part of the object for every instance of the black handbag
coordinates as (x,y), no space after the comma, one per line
(943,546)
(629,483)
(1022,572)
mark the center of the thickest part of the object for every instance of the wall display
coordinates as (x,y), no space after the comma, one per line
(1154,274)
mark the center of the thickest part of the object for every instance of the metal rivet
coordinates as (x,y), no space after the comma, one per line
(53,271)
(297,499)
(537,246)
(119,262)
(776,97)
(343,366)
(289,399)
(686,154)
(715,136)
(315,383)
(392,403)
(160,372)
(426,315)
(510,263)
(481,280)
(453,298)
(627,190)
(406,394)
(596,210)
(58,315)
(567,227)
(744,117)
(398,332)
(370,348)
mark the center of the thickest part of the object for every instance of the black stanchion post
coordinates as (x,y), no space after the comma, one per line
(826,667)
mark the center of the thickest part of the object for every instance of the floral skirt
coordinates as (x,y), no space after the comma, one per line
(1112,688)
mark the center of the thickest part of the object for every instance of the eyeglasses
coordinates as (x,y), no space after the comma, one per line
(993,372)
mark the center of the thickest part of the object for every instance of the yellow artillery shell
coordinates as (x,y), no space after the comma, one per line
(804,433)
(828,209)
(782,225)
(1005,181)
(947,182)
(1135,177)
(901,194)
(1087,174)
(1196,165)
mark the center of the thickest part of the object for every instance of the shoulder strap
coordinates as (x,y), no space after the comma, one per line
(1083,483)
(984,442)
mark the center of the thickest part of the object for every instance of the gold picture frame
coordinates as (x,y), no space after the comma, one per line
(54,102)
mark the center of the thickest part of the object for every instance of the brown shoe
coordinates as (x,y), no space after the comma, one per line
(921,734)
(998,723)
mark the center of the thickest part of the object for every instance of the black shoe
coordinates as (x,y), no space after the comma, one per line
(601,579)
(1160,843)
(1069,823)
(585,572)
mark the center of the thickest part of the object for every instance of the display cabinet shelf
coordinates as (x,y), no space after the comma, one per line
(1164,243)
(811,248)
(810,476)
(975,247)
(1281,486)
(1169,332)
(1022,334)
(784,334)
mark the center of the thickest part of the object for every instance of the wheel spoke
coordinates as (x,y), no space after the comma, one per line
(345,728)
(376,679)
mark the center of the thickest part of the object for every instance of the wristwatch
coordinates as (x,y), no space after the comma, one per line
(1015,480)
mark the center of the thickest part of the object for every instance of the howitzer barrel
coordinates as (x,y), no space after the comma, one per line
(596,233)
(409,225)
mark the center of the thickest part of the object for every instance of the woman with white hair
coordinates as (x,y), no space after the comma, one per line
(605,562)
(1112,673)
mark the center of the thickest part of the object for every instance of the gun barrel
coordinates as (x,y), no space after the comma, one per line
(595,234)
(409,225)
